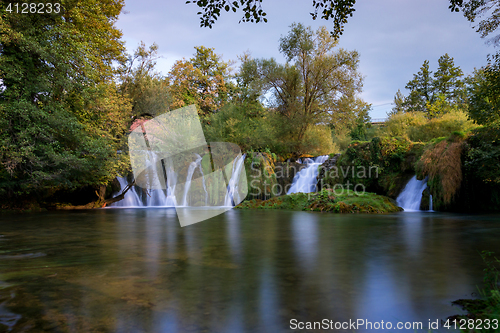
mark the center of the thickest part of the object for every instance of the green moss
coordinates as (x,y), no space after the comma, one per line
(382,165)
(327,201)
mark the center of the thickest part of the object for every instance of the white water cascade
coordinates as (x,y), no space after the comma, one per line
(232,188)
(131,199)
(189,177)
(305,180)
(411,196)
(135,197)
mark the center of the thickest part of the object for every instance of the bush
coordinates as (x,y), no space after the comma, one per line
(399,124)
(454,121)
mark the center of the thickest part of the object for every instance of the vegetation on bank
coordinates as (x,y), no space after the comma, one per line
(488,306)
(69,96)
(327,200)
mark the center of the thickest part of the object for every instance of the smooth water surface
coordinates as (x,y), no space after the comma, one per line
(137,270)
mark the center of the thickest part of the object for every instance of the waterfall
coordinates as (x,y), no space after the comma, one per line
(232,194)
(305,180)
(135,197)
(189,177)
(155,197)
(430,202)
(131,198)
(411,196)
(170,201)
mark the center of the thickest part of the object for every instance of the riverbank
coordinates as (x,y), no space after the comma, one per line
(328,201)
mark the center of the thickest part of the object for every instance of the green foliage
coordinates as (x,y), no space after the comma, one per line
(481,173)
(345,201)
(147,89)
(398,125)
(445,86)
(318,84)
(453,121)
(489,306)
(484,88)
(338,10)
(202,80)
(382,165)
(61,118)
(250,128)
(421,89)
(416,127)
(399,106)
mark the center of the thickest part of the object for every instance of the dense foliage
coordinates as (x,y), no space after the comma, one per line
(61,117)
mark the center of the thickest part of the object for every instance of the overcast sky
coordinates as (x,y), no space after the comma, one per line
(393,37)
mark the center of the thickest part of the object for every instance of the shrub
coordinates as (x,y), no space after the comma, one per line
(453,121)
(400,123)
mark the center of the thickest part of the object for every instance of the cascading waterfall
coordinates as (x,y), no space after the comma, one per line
(430,202)
(305,180)
(411,196)
(131,198)
(232,188)
(171,201)
(189,177)
(166,198)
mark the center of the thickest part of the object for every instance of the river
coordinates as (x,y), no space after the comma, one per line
(137,270)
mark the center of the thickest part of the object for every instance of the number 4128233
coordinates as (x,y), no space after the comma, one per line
(34,8)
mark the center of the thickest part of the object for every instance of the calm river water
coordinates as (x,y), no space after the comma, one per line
(137,270)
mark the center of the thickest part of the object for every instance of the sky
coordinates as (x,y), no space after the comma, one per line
(393,37)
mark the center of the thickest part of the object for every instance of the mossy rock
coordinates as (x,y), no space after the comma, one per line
(328,201)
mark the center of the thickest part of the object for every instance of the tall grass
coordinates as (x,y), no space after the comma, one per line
(441,162)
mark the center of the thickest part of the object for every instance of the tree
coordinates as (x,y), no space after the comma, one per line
(147,89)
(399,102)
(421,89)
(61,118)
(202,80)
(425,89)
(484,100)
(338,10)
(447,80)
(313,87)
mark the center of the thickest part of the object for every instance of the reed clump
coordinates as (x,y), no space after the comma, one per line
(441,163)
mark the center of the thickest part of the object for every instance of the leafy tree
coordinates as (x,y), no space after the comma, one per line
(399,104)
(61,118)
(483,88)
(202,80)
(426,89)
(314,84)
(421,89)
(147,89)
(447,80)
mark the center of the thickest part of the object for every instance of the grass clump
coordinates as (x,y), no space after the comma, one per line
(441,162)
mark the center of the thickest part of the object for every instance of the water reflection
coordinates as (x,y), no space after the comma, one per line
(305,237)
(136,270)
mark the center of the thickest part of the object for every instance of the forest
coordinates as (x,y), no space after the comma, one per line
(70,94)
